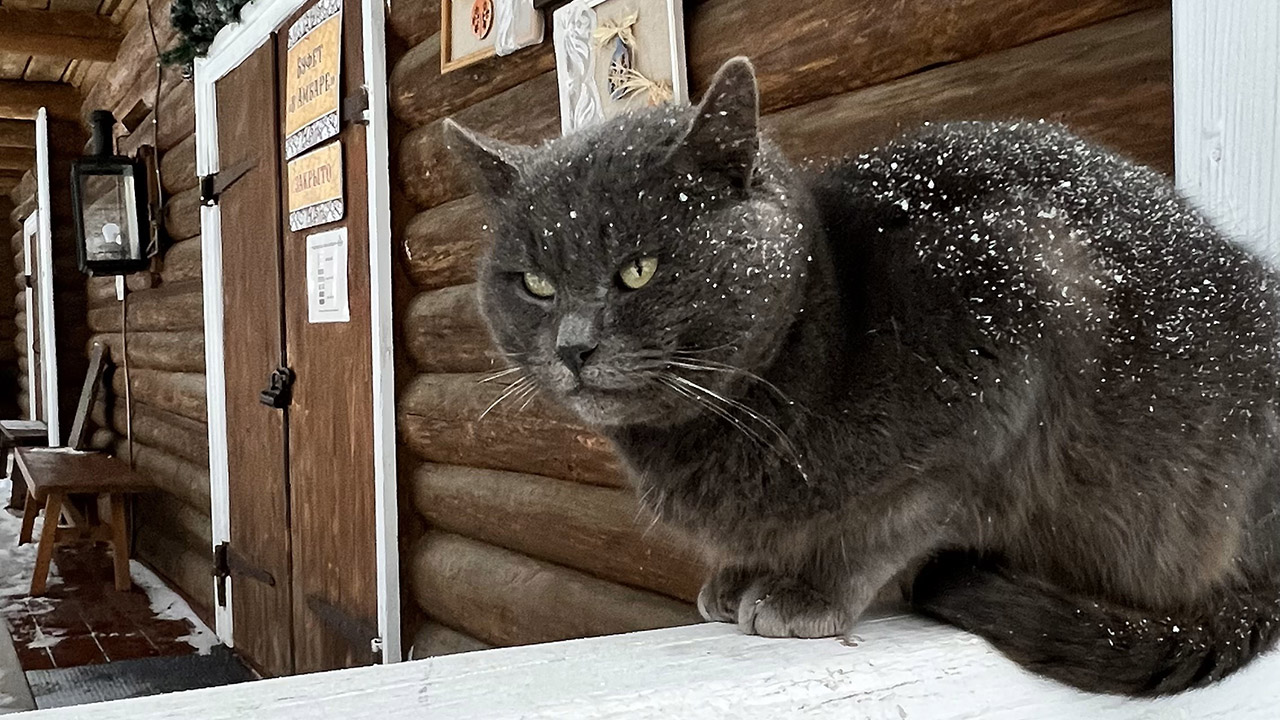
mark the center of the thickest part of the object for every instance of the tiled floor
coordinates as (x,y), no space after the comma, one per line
(84,620)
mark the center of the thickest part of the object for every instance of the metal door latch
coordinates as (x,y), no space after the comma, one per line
(280,392)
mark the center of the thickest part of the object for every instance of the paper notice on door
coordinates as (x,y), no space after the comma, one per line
(327,277)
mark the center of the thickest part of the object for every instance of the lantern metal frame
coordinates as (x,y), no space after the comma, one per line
(103,162)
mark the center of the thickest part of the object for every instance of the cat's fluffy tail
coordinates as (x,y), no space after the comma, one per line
(1090,645)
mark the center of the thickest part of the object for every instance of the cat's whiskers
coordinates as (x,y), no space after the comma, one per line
(519,385)
(703,402)
(714,366)
(499,374)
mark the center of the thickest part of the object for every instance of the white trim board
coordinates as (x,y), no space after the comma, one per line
(1226,91)
(231,47)
(901,667)
(30,229)
(44,283)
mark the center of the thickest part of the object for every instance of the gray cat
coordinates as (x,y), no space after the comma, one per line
(992,359)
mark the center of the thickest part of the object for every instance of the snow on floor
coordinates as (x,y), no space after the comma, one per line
(18,563)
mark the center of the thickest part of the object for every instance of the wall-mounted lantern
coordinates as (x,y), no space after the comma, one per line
(109,192)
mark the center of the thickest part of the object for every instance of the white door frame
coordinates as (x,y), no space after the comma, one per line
(233,45)
(44,285)
(30,228)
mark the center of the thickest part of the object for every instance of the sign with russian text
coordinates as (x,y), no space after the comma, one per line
(316,187)
(313,69)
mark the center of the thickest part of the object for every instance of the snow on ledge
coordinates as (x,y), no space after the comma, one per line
(902,668)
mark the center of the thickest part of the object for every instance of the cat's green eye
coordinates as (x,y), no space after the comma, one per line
(538,286)
(637,273)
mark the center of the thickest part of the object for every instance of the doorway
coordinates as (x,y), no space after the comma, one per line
(301,448)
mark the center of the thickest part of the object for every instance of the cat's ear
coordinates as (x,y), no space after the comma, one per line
(494,162)
(724,135)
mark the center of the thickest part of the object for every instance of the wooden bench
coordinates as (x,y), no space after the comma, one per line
(52,476)
(16,434)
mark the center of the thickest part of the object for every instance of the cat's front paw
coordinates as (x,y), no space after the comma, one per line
(784,607)
(718,598)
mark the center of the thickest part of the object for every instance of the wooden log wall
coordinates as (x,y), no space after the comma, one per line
(532,535)
(165,325)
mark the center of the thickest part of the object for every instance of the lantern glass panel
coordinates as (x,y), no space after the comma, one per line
(110,212)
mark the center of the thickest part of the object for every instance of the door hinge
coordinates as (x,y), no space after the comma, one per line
(375,649)
(356,106)
(28,282)
(221,572)
(213,185)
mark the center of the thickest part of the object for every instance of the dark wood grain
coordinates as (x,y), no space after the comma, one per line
(440,245)
(444,333)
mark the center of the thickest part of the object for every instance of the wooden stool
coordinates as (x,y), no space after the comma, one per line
(54,474)
(15,434)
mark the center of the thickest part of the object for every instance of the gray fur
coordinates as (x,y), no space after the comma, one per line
(993,345)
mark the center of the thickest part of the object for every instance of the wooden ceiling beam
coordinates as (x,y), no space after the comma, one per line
(67,35)
(19,100)
(17,134)
(17,158)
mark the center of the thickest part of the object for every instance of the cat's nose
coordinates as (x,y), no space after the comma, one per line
(574,355)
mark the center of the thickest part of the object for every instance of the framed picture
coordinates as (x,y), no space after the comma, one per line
(616,55)
(473,30)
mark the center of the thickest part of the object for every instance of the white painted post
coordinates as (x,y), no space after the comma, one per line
(1226,88)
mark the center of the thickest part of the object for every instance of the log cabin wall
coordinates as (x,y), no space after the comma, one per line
(165,320)
(519,527)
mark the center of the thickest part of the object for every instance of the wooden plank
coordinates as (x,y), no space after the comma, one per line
(192,527)
(440,420)
(182,262)
(598,530)
(182,214)
(19,100)
(899,667)
(1228,108)
(443,332)
(1110,82)
(441,244)
(167,432)
(88,394)
(185,481)
(59,34)
(506,598)
(55,470)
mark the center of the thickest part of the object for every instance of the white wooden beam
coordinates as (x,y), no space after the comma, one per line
(903,667)
(1226,89)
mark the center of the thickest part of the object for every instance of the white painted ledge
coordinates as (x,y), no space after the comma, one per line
(903,667)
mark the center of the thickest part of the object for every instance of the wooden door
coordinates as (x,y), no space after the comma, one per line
(258,553)
(35,372)
(331,456)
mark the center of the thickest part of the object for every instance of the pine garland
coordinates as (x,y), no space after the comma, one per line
(197,23)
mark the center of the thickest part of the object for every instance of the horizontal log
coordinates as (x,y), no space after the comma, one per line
(1111,82)
(598,530)
(103,439)
(188,569)
(414,20)
(17,133)
(822,47)
(173,475)
(182,214)
(101,291)
(18,160)
(441,245)
(137,58)
(25,191)
(444,333)
(440,420)
(177,121)
(181,393)
(165,431)
(55,34)
(20,99)
(505,598)
(176,520)
(434,640)
(182,261)
(174,307)
(527,114)
(420,94)
(178,166)
(173,351)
